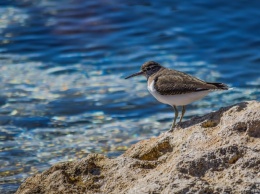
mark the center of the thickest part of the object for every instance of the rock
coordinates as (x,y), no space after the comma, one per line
(215,153)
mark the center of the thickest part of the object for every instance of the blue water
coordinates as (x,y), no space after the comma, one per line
(63,63)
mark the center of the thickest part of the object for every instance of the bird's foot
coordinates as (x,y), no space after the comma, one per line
(174,127)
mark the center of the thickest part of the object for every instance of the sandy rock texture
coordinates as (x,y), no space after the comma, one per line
(215,153)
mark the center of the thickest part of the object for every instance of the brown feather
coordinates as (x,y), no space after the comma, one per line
(172,82)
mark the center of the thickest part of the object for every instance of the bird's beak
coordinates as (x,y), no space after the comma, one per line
(135,74)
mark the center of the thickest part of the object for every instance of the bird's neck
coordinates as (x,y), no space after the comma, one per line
(152,74)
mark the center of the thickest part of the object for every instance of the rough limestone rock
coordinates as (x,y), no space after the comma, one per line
(216,153)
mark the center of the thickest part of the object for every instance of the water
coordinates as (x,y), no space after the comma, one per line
(62,65)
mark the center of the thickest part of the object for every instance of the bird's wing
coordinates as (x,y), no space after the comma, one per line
(174,82)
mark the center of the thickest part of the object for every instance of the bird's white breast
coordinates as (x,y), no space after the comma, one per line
(177,100)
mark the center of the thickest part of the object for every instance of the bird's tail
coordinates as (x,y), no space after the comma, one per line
(219,86)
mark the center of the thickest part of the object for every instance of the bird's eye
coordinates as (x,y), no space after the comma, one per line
(148,68)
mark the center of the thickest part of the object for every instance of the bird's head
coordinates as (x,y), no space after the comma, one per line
(147,69)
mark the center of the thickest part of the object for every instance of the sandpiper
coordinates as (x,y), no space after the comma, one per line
(175,88)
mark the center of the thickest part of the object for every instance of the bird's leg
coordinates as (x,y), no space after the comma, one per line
(182,113)
(175,118)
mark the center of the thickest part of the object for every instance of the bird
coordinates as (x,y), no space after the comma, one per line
(175,88)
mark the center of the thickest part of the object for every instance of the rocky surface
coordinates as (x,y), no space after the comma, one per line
(216,153)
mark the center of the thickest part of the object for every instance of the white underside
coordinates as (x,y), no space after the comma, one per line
(177,100)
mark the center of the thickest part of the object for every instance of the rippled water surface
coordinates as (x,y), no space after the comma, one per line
(63,63)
